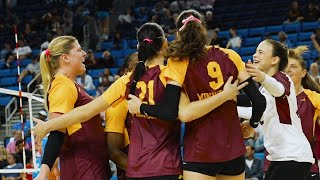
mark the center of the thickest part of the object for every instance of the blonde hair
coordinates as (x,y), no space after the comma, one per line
(297,52)
(49,60)
(306,81)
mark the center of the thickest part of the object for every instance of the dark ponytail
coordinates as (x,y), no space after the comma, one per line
(150,37)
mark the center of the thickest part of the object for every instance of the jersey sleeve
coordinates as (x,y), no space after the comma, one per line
(315,99)
(115,94)
(284,80)
(62,97)
(176,70)
(235,58)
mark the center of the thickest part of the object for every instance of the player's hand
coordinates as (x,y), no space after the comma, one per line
(44,171)
(313,37)
(134,104)
(253,71)
(232,89)
(39,130)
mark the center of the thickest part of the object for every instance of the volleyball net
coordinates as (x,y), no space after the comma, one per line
(31,97)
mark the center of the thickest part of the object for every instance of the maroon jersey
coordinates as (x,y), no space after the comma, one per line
(217,136)
(154,143)
(307,112)
(84,153)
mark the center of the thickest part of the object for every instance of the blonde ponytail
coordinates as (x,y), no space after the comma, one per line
(46,75)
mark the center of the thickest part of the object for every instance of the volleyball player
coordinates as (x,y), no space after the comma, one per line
(117,126)
(289,150)
(308,98)
(83,154)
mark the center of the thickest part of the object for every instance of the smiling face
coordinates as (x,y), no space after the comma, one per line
(295,71)
(263,57)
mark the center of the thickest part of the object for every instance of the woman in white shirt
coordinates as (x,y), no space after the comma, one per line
(289,150)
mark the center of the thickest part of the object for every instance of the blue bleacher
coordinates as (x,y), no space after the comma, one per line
(119,62)
(5,100)
(2,64)
(117,54)
(259,31)
(7,81)
(310,26)
(128,51)
(275,37)
(274,29)
(246,58)
(292,27)
(35,52)
(114,71)
(251,41)
(27,79)
(224,34)
(95,73)
(92,92)
(4,72)
(16,88)
(25,62)
(98,54)
(305,36)
(245,51)
(96,82)
(243,32)
(132,43)
(292,37)
(307,43)
(107,45)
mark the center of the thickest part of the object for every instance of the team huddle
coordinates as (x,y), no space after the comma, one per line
(181,81)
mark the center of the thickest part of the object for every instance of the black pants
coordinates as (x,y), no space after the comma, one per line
(173,177)
(280,170)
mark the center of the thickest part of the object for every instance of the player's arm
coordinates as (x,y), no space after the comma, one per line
(111,97)
(189,111)
(257,100)
(52,148)
(115,143)
(77,115)
(115,131)
(167,108)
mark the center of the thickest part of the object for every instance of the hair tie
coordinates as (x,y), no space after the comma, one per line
(189,19)
(148,40)
(47,53)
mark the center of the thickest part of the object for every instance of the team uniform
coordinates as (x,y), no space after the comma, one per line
(213,144)
(83,155)
(309,110)
(117,122)
(154,144)
(285,142)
